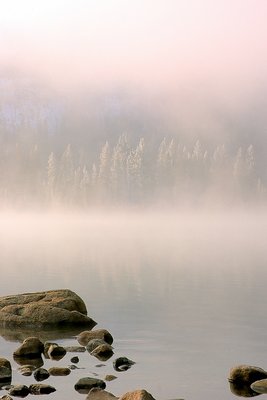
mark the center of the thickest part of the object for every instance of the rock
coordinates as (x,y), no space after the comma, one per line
(26,370)
(246,374)
(75,349)
(259,386)
(137,395)
(5,371)
(44,309)
(85,336)
(41,374)
(59,371)
(103,352)
(31,347)
(6,397)
(100,394)
(110,378)
(19,391)
(55,352)
(39,388)
(122,364)
(241,390)
(72,366)
(84,385)
(93,344)
(75,360)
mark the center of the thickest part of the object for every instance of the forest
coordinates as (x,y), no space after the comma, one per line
(125,174)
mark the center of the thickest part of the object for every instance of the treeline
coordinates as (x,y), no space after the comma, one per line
(124,174)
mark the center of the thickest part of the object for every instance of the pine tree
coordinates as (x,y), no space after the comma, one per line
(51,176)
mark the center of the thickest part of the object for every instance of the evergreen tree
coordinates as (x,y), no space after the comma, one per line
(51,176)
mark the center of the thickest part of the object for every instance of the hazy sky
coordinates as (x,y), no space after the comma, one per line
(154,43)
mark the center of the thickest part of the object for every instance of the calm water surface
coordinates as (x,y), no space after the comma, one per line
(184,294)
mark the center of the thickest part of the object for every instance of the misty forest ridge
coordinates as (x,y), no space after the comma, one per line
(42,164)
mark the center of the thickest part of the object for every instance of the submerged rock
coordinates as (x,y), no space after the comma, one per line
(43,309)
(19,391)
(59,371)
(122,364)
(75,360)
(84,385)
(31,347)
(85,336)
(6,397)
(75,349)
(5,371)
(103,352)
(54,351)
(39,388)
(109,378)
(41,374)
(93,344)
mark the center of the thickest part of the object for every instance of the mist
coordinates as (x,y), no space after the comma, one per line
(182,85)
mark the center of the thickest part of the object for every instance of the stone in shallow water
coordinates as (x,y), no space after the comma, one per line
(94,343)
(31,347)
(84,385)
(56,352)
(100,394)
(242,390)
(103,352)
(19,391)
(59,371)
(75,360)
(259,386)
(39,388)
(5,370)
(42,309)
(41,374)
(122,364)
(85,336)
(75,349)
(137,395)
(246,374)
(110,378)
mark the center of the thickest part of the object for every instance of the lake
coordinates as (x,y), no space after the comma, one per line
(183,293)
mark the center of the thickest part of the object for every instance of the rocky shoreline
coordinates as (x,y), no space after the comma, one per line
(58,309)
(65,312)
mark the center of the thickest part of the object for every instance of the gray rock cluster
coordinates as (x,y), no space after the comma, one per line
(247,380)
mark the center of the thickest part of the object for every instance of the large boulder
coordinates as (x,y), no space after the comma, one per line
(54,308)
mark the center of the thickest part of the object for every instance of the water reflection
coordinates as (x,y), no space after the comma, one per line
(18,335)
(36,362)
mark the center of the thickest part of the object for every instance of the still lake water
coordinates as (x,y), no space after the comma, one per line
(183,294)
